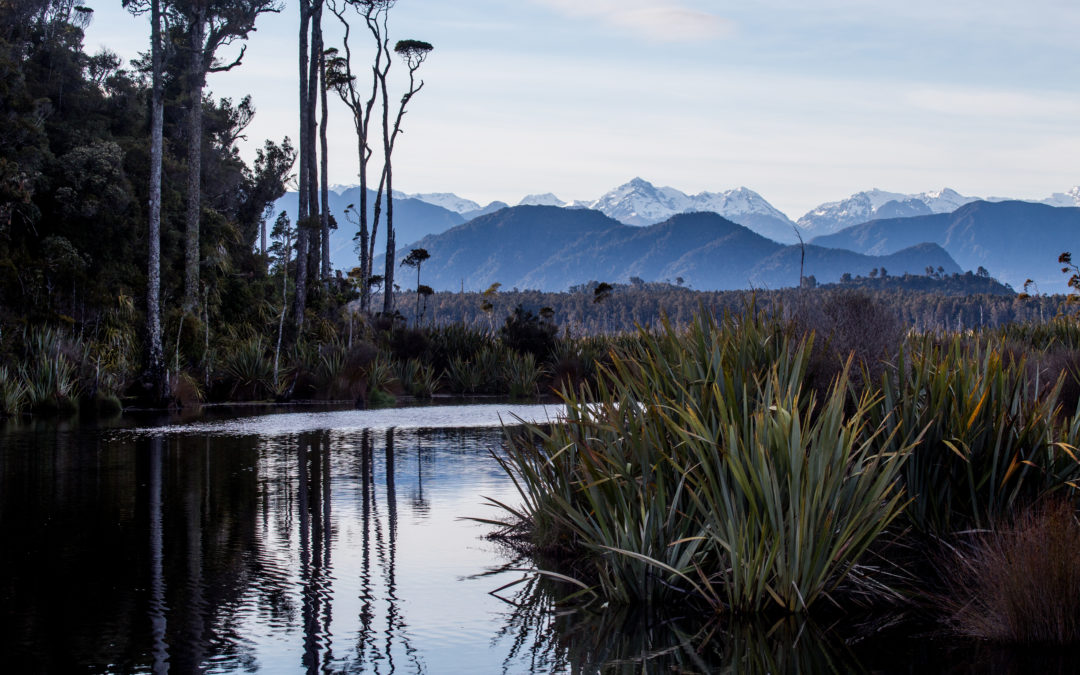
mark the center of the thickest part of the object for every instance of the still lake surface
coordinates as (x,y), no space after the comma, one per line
(335,541)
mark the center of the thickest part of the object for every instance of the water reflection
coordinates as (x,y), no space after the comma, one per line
(550,638)
(335,551)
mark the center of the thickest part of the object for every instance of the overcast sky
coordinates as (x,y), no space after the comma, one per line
(804,102)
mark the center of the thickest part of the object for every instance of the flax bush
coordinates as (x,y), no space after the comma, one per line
(698,467)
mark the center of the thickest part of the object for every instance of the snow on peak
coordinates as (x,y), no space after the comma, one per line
(864,206)
(639,202)
(546,199)
(1070,198)
(448,201)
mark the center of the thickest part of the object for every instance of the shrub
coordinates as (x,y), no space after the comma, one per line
(705,470)
(418,379)
(463,376)
(249,369)
(1021,582)
(527,333)
(522,375)
(13,393)
(49,375)
(989,441)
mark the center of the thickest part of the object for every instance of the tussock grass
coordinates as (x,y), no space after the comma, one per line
(1020,583)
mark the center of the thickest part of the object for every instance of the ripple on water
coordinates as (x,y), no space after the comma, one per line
(419,417)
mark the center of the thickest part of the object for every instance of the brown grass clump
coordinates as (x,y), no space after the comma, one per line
(1020,584)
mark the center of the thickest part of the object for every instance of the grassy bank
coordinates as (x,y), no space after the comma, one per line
(752,467)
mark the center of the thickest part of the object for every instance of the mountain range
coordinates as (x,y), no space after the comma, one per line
(1013,240)
(874,223)
(553,248)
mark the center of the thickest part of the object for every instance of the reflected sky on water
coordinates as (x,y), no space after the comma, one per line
(334,542)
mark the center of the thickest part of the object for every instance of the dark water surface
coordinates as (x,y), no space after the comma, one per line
(328,542)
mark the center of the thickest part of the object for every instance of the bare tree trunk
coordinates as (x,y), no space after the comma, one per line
(365,258)
(315,247)
(196,82)
(284,306)
(388,276)
(155,356)
(388,284)
(303,207)
(324,186)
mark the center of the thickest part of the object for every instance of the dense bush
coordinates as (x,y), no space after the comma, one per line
(709,463)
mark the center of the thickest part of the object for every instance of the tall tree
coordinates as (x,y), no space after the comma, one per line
(155,358)
(312,156)
(324,173)
(341,78)
(273,166)
(414,52)
(303,210)
(208,26)
(416,258)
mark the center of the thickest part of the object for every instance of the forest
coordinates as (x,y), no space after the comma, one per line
(133,233)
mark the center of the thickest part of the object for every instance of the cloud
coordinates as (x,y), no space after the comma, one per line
(667,22)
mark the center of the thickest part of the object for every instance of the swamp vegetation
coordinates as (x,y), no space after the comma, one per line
(753,469)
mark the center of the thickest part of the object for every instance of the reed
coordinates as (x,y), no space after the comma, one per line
(1020,583)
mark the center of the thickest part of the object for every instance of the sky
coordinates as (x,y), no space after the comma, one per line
(803,102)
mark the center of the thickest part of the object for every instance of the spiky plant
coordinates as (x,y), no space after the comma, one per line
(13,393)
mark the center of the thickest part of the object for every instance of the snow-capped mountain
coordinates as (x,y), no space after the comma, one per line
(875,204)
(546,199)
(1070,198)
(639,202)
(447,200)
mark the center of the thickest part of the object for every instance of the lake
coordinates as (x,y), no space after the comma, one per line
(331,541)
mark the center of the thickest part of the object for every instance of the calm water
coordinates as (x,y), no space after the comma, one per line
(328,542)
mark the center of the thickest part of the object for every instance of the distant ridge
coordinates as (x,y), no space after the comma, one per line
(551,248)
(1012,240)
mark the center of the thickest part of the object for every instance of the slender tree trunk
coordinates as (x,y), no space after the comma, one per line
(324,185)
(284,307)
(196,82)
(365,258)
(315,247)
(388,285)
(303,194)
(155,356)
(388,281)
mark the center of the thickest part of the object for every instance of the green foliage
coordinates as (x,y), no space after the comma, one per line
(991,439)
(381,378)
(13,393)
(702,469)
(417,378)
(524,331)
(50,373)
(250,370)
(463,376)
(522,375)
